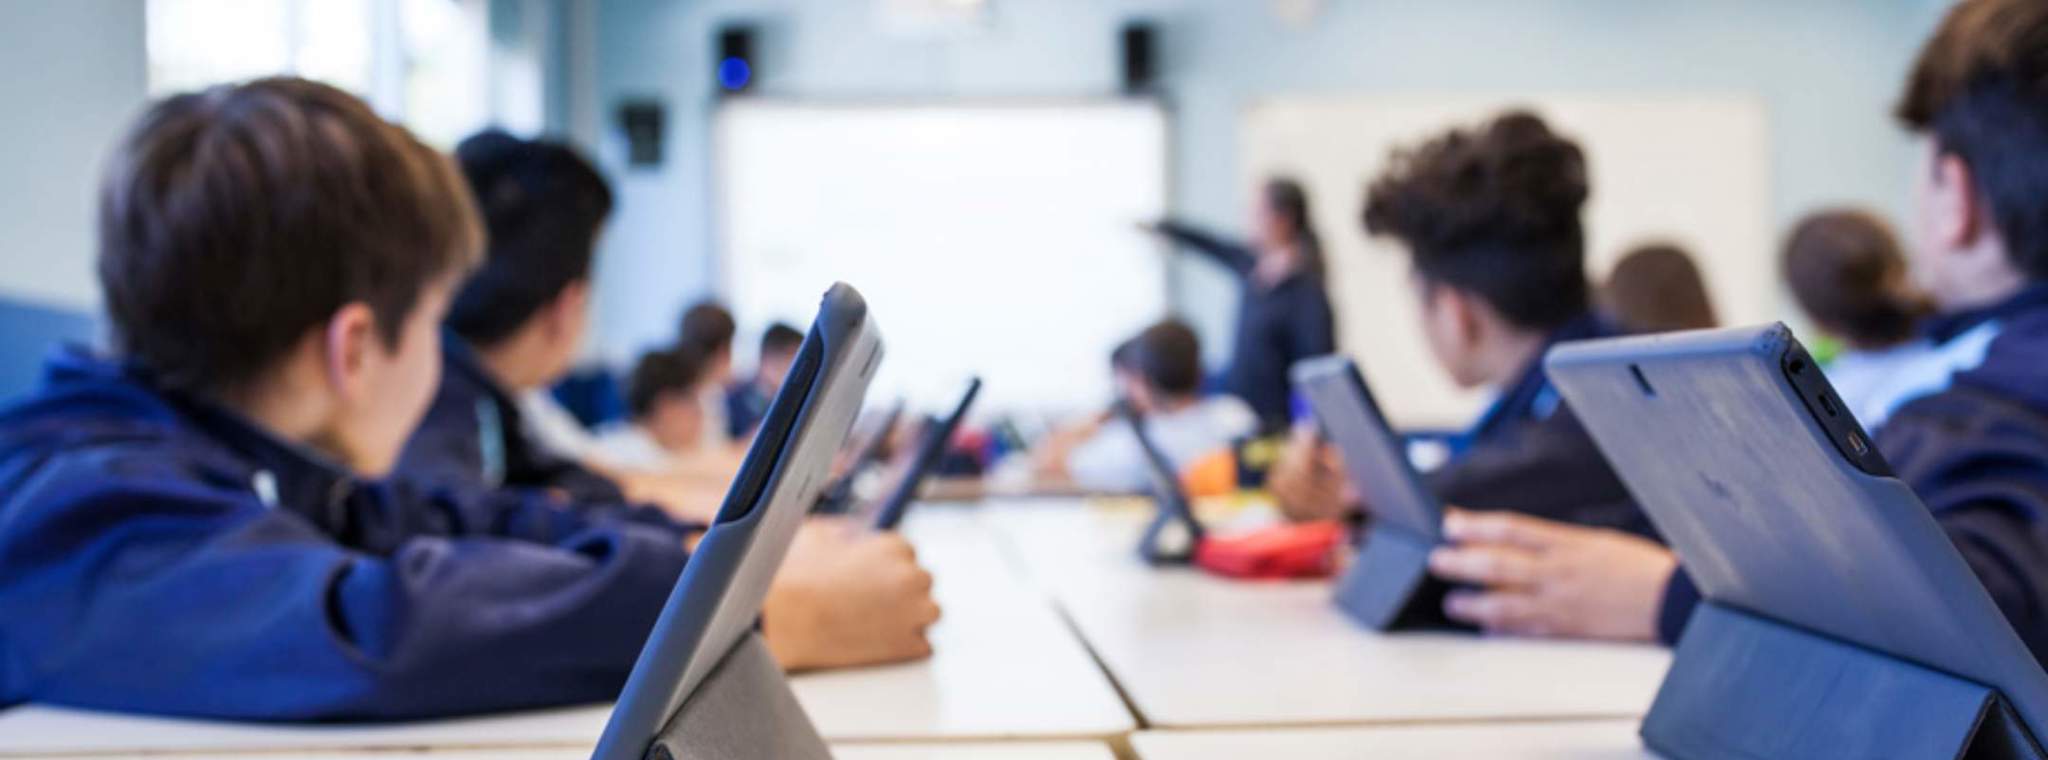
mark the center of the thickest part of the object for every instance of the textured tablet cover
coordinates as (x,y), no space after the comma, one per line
(1391,569)
(1771,518)
(708,624)
(1374,457)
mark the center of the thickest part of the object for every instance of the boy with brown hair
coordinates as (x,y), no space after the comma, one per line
(199,525)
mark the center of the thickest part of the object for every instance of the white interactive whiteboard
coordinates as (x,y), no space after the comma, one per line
(988,238)
(1692,170)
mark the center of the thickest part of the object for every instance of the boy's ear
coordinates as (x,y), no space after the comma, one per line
(566,314)
(350,335)
(1959,209)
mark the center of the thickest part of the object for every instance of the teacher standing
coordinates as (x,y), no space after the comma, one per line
(1284,315)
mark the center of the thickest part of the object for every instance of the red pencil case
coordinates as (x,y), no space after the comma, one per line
(1298,550)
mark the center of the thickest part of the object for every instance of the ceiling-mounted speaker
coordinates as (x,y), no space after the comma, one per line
(1140,49)
(734,63)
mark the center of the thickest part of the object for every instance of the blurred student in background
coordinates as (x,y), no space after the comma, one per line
(1159,373)
(1658,288)
(1284,314)
(746,402)
(708,329)
(1490,217)
(1849,275)
(666,422)
(1975,449)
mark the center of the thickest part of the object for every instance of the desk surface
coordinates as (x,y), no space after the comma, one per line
(1587,740)
(1005,751)
(1193,650)
(1005,668)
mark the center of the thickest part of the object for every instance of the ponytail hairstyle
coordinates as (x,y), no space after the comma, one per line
(1285,197)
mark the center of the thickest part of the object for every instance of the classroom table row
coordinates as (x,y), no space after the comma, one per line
(1054,635)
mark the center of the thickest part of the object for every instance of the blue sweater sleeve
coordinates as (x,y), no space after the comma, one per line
(162,595)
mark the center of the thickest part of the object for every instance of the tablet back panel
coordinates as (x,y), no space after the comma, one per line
(1773,513)
(936,437)
(1373,456)
(719,596)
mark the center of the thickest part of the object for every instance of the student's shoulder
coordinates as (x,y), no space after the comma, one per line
(1230,413)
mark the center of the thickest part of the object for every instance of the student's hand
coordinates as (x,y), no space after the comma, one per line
(1544,578)
(1307,480)
(848,597)
(686,498)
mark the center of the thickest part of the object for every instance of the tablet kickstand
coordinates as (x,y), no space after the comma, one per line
(1746,686)
(743,709)
(1380,588)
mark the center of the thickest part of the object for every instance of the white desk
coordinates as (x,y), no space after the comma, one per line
(1193,650)
(1589,740)
(1004,751)
(1006,668)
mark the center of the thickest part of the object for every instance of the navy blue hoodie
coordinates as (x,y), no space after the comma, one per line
(1976,452)
(474,436)
(1530,453)
(160,554)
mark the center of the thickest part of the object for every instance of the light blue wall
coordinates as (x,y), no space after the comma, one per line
(72,74)
(1826,69)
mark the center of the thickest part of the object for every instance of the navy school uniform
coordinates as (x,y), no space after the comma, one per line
(1529,453)
(160,554)
(474,435)
(1277,325)
(1976,452)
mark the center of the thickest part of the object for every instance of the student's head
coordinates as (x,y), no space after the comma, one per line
(543,206)
(1490,219)
(1847,272)
(1658,288)
(1283,220)
(1979,96)
(779,345)
(1161,368)
(278,247)
(662,397)
(708,329)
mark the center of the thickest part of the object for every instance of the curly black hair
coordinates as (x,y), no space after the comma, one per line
(1493,211)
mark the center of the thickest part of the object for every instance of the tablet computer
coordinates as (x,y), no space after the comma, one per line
(1174,533)
(1374,457)
(866,452)
(937,434)
(713,608)
(1779,505)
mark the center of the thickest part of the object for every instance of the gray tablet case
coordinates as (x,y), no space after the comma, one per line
(937,434)
(1382,588)
(705,687)
(1840,621)
(1174,533)
(867,453)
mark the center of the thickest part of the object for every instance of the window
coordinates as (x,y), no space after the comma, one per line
(423,63)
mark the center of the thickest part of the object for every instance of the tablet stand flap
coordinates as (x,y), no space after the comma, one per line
(1382,587)
(1173,535)
(744,709)
(1745,686)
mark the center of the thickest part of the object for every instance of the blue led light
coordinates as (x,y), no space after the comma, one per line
(733,74)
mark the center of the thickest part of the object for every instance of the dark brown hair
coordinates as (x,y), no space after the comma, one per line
(542,203)
(707,328)
(234,221)
(1847,272)
(1980,89)
(1168,355)
(1658,288)
(660,373)
(1493,211)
